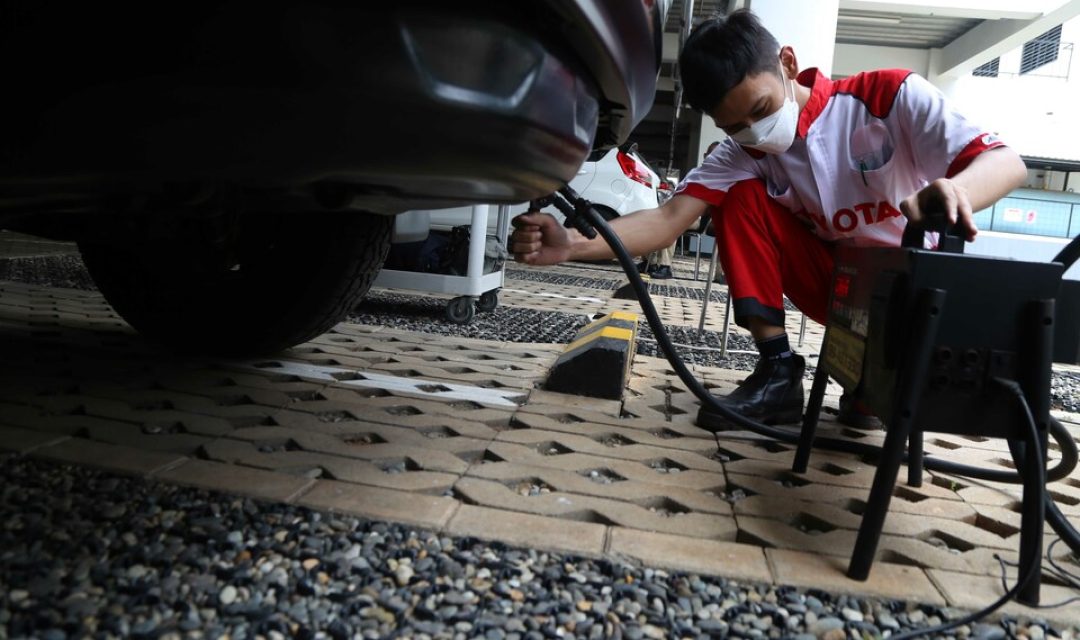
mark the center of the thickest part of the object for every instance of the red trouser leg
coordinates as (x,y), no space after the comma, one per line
(766,252)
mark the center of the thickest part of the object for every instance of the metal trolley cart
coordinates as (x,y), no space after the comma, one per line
(476,290)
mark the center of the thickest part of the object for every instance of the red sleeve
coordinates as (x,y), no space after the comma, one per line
(982,143)
(697,190)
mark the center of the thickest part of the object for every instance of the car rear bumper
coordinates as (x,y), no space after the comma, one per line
(385,107)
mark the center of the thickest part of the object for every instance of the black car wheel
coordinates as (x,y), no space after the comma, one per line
(281,279)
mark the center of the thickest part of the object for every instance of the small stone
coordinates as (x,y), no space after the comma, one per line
(403,574)
(227,595)
(18,595)
(824,625)
(887,621)
(309,564)
(916,617)
(984,631)
(584,605)
(851,615)
(834,634)
(339,630)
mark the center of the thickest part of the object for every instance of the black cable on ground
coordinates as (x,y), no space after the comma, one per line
(1068,447)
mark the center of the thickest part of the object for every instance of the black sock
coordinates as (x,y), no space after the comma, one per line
(775,348)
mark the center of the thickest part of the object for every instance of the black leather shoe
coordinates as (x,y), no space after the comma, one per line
(772,394)
(662,273)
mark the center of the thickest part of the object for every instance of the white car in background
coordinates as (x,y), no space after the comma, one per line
(617,181)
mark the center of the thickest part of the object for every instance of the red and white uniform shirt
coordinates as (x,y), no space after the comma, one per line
(862,145)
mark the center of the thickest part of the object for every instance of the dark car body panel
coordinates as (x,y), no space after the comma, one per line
(376,106)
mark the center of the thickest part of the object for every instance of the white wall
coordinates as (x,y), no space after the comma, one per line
(849,59)
(1037,116)
(809,27)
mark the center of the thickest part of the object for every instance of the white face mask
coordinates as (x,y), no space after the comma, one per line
(775,132)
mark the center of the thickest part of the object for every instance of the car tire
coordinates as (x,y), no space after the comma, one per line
(283,280)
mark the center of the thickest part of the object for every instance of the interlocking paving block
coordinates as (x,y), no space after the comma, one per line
(542,401)
(601,482)
(390,447)
(728,559)
(938,549)
(390,408)
(557,443)
(24,440)
(378,451)
(344,377)
(380,504)
(814,518)
(112,457)
(564,417)
(538,532)
(456,437)
(905,500)
(975,592)
(653,471)
(434,426)
(265,485)
(659,435)
(318,465)
(597,362)
(886,580)
(662,514)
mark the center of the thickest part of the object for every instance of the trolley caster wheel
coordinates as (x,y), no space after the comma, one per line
(488,301)
(461,310)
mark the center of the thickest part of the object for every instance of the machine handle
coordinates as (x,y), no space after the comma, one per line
(950,239)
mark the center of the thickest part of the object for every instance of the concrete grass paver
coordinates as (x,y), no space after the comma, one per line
(632,479)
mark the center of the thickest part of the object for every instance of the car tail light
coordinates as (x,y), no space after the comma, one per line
(634,169)
(664,186)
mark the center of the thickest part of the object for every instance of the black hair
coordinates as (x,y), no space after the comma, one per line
(722,51)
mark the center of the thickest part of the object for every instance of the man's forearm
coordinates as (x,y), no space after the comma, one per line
(643,231)
(991,176)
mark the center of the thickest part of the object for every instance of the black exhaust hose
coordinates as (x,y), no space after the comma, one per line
(1068,447)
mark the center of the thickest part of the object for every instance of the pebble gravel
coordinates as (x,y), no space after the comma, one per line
(90,554)
(66,271)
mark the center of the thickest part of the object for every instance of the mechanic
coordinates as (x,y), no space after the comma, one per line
(809,163)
